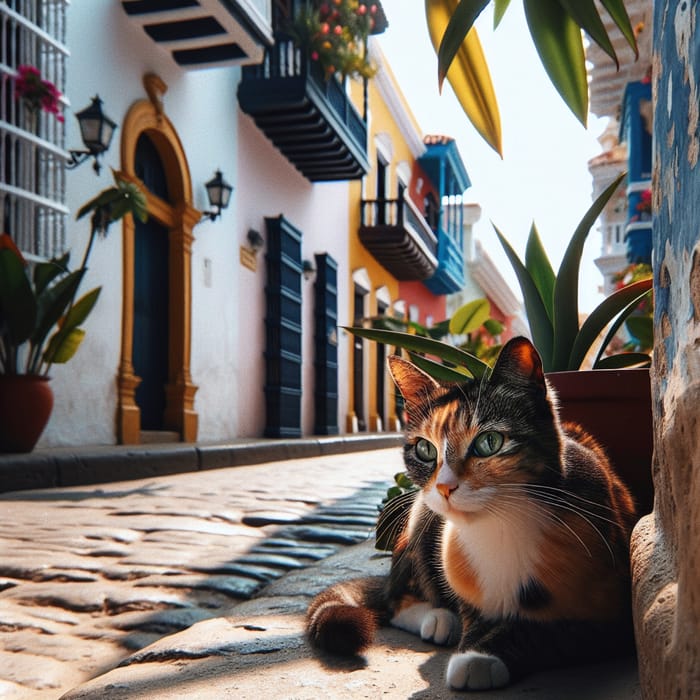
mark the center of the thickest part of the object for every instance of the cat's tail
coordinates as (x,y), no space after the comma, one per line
(344,618)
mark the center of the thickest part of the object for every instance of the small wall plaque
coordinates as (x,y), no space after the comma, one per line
(248,259)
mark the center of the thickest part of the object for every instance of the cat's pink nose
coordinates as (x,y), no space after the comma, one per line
(445,489)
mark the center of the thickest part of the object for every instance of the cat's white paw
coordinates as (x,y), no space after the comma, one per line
(436,625)
(440,626)
(472,670)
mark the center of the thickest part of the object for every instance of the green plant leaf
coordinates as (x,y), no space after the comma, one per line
(469,317)
(437,371)
(461,22)
(499,9)
(585,14)
(100,200)
(468,74)
(18,307)
(623,360)
(493,326)
(540,269)
(417,343)
(540,324)
(617,11)
(63,346)
(566,309)
(52,304)
(559,43)
(641,328)
(624,299)
(46,272)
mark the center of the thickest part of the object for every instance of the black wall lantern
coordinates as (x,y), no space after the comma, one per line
(96,130)
(219,194)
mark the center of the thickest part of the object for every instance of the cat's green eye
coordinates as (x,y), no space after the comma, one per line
(488,443)
(426,451)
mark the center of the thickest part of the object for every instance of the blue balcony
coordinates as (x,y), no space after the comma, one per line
(443,165)
(636,131)
(309,119)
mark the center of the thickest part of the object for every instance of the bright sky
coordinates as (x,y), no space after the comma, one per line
(544,175)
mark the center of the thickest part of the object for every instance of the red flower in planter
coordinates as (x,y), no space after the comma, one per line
(37,94)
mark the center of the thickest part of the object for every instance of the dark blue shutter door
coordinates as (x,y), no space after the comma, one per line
(283,329)
(326,346)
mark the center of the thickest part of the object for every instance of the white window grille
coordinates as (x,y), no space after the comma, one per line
(32,145)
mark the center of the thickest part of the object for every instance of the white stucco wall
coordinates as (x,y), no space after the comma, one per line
(270,186)
(228,304)
(202,107)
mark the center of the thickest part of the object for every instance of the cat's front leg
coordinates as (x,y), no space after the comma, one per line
(437,625)
(474,670)
(475,667)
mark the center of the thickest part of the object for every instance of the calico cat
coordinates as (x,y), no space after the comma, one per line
(516,546)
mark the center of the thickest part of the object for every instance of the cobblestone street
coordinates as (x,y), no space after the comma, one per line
(92,574)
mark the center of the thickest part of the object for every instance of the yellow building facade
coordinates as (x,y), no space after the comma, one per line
(394,143)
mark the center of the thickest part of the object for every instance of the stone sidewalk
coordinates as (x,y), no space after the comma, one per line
(194,586)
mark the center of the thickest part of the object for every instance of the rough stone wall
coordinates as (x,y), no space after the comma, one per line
(666,543)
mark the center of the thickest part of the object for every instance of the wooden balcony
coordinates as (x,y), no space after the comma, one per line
(310,120)
(398,236)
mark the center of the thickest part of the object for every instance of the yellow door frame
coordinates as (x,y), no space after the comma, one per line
(179,216)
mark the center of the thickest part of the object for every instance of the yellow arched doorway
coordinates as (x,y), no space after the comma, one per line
(176,217)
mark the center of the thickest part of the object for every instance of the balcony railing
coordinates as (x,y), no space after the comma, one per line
(309,119)
(398,236)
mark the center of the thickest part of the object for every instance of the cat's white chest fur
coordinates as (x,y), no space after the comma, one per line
(503,552)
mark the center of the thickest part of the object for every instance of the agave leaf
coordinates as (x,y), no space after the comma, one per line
(641,328)
(18,307)
(461,22)
(612,332)
(566,286)
(617,11)
(470,317)
(585,14)
(540,324)
(624,359)
(499,9)
(540,269)
(624,299)
(417,343)
(559,43)
(438,371)
(468,74)
(63,346)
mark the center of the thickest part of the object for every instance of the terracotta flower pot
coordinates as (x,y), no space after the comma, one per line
(615,407)
(25,406)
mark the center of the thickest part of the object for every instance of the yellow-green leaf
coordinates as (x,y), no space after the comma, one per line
(63,346)
(499,9)
(469,317)
(560,45)
(468,74)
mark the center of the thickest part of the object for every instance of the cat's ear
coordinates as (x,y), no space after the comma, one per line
(519,361)
(413,383)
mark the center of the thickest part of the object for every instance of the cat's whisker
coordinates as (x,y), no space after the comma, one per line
(547,514)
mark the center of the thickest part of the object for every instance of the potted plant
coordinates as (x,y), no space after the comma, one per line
(609,399)
(334,35)
(41,319)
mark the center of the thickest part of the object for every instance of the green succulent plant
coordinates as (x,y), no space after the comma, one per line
(552,309)
(40,317)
